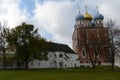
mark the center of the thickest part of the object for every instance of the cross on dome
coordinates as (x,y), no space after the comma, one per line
(86,7)
(79,9)
(87,16)
(97,9)
(98,16)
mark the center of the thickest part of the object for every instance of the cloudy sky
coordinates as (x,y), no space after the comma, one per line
(54,18)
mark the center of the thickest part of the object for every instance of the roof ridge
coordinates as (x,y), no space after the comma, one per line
(51,46)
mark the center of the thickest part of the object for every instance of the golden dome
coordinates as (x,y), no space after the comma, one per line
(87,16)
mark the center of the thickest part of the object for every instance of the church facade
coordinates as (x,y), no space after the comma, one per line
(90,39)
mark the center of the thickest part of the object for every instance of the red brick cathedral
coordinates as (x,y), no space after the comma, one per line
(89,36)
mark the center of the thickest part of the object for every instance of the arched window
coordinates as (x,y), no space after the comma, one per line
(65,65)
(98,22)
(101,22)
(87,23)
(38,63)
(75,65)
(50,55)
(90,24)
(61,64)
(60,55)
(31,64)
(83,53)
(95,22)
(78,22)
(55,55)
(81,22)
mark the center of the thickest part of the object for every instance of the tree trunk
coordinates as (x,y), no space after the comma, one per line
(4,59)
(113,60)
(26,64)
(26,59)
(94,65)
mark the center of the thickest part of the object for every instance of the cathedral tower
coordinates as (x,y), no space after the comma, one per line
(89,36)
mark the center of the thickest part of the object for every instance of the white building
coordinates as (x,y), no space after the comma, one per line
(59,56)
(117,51)
(117,60)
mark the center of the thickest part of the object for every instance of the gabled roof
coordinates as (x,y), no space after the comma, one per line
(59,47)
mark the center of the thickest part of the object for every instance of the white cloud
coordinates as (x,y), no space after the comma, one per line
(57,18)
(111,11)
(10,11)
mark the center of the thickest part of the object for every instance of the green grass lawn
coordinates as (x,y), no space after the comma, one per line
(63,74)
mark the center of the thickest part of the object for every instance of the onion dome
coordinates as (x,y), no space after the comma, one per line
(98,16)
(79,17)
(87,16)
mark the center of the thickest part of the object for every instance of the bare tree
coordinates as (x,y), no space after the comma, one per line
(114,34)
(95,41)
(3,43)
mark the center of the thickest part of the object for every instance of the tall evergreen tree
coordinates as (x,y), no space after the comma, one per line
(27,43)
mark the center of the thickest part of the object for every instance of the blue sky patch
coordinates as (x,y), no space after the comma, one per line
(29,5)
